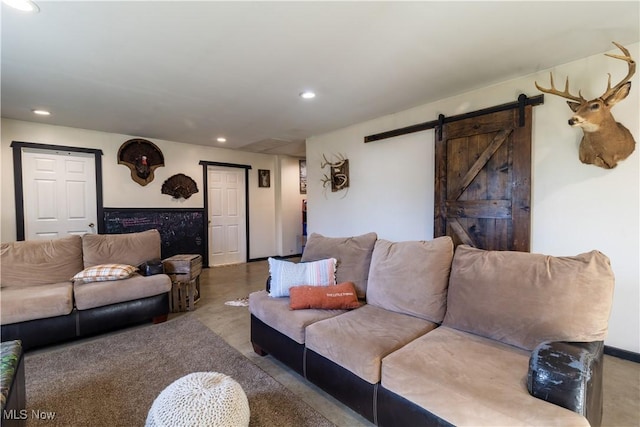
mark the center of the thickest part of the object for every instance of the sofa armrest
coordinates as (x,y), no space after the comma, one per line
(569,374)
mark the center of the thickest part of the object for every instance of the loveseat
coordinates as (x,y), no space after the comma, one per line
(445,337)
(56,290)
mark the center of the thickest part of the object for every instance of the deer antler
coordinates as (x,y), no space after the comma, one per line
(326,180)
(564,94)
(632,70)
(325,163)
(339,162)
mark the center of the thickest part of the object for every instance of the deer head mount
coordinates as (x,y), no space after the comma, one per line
(605,142)
(338,176)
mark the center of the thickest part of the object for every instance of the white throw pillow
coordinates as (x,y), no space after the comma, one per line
(286,274)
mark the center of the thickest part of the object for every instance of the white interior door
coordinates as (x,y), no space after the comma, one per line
(227,216)
(59,193)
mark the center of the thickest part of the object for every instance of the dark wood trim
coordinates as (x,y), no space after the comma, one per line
(225,165)
(205,232)
(622,354)
(52,147)
(205,181)
(535,100)
(19,185)
(18,190)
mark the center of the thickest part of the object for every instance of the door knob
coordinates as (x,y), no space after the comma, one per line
(91,225)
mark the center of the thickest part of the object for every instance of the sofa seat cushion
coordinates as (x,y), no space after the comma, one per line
(353,255)
(40,262)
(98,294)
(469,380)
(276,313)
(22,303)
(524,299)
(411,277)
(359,339)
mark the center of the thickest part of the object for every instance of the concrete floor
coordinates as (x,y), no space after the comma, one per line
(220,284)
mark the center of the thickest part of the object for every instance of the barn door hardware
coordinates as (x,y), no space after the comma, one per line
(440,126)
(520,104)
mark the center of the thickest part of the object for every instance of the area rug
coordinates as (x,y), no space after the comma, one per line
(112,380)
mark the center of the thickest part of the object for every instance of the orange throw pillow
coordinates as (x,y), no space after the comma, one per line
(341,296)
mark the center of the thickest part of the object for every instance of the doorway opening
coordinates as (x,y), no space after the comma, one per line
(226,203)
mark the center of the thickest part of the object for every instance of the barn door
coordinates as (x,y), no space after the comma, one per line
(482,182)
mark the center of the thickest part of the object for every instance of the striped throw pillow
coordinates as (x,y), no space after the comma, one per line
(285,274)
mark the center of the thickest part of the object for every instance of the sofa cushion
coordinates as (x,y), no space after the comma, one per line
(524,299)
(411,277)
(131,248)
(98,294)
(40,262)
(275,313)
(286,274)
(359,339)
(468,380)
(340,296)
(104,272)
(22,303)
(353,255)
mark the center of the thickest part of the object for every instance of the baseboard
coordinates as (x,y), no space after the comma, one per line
(275,256)
(622,354)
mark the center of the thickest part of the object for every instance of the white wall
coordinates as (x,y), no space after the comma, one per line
(289,208)
(575,207)
(120,191)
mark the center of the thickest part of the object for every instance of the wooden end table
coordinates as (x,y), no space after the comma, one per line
(184,271)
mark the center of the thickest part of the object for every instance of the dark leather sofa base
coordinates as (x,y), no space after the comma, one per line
(385,408)
(115,316)
(42,332)
(267,340)
(342,384)
(83,323)
(394,410)
(569,374)
(337,381)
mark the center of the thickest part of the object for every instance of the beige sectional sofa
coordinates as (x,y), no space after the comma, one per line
(466,337)
(41,304)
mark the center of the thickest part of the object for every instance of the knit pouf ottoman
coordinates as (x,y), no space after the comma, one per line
(200,399)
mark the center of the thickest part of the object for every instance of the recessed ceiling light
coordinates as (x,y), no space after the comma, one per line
(41,112)
(307,94)
(22,5)
(221,139)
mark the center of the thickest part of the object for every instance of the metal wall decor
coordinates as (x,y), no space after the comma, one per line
(142,157)
(179,186)
(338,177)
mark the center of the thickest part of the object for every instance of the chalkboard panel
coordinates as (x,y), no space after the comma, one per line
(181,230)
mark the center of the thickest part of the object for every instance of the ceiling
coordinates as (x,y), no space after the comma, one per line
(194,71)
